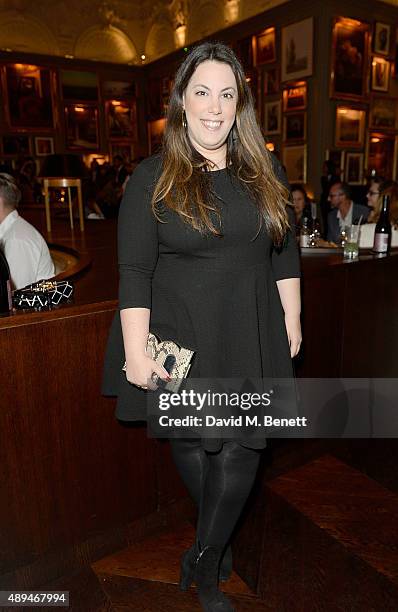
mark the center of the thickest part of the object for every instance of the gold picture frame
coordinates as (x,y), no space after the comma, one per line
(349,63)
(380,74)
(294,158)
(350,127)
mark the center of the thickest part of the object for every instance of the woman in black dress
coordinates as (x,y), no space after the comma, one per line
(207,258)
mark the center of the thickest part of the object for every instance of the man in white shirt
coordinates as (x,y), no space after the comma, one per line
(344,211)
(24,247)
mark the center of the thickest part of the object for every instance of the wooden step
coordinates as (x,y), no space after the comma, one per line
(158,559)
(151,596)
(327,539)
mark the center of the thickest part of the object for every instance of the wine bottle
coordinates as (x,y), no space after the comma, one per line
(305,234)
(382,239)
(5,285)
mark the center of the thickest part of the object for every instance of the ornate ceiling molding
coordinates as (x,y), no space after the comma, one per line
(119,30)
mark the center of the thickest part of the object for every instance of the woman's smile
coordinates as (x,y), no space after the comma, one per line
(212,126)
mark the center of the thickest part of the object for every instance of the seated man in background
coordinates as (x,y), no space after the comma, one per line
(24,247)
(344,211)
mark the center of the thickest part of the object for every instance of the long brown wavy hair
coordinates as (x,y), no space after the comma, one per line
(184,184)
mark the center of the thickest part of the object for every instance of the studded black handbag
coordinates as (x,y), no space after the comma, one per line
(43,294)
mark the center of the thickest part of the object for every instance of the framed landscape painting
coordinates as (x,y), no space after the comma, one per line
(81,126)
(384,113)
(297,50)
(350,127)
(118,89)
(295,97)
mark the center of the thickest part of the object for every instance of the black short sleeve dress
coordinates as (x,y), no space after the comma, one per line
(216,295)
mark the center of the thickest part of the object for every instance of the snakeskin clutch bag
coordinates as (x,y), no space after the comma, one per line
(174,358)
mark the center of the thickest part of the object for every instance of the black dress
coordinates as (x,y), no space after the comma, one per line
(216,295)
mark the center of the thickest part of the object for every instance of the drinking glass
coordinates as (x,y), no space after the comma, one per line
(351,248)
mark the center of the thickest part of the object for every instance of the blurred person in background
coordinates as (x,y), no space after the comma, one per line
(374,200)
(30,187)
(119,169)
(301,205)
(344,211)
(24,247)
(377,190)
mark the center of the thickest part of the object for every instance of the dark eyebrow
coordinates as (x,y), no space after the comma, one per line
(205,87)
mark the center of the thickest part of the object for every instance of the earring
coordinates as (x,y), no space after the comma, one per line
(184,119)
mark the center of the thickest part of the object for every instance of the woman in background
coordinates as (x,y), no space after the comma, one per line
(301,205)
(377,190)
(303,209)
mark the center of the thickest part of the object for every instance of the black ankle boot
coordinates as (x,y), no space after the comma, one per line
(206,579)
(188,562)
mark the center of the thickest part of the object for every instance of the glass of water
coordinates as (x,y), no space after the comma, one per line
(351,243)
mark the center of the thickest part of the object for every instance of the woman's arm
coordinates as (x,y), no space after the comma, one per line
(289,292)
(137,256)
(135,329)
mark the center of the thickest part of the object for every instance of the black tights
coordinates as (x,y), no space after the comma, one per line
(219,483)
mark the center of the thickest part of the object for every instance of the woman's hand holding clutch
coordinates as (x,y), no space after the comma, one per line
(142,371)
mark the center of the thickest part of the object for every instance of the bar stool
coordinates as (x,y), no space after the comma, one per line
(66,183)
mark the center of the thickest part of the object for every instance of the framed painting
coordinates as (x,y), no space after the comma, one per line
(337,157)
(295,161)
(380,74)
(381,154)
(81,126)
(382,38)
(118,89)
(28,96)
(44,146)
(121,119)
(125,150)
(79,85)
(265,47)
(295,127)
(271,81)
(354,169)
(350,127)
(349,64)
(295,97)
(155,135)
(272,117)
(384,113)
(297,50)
